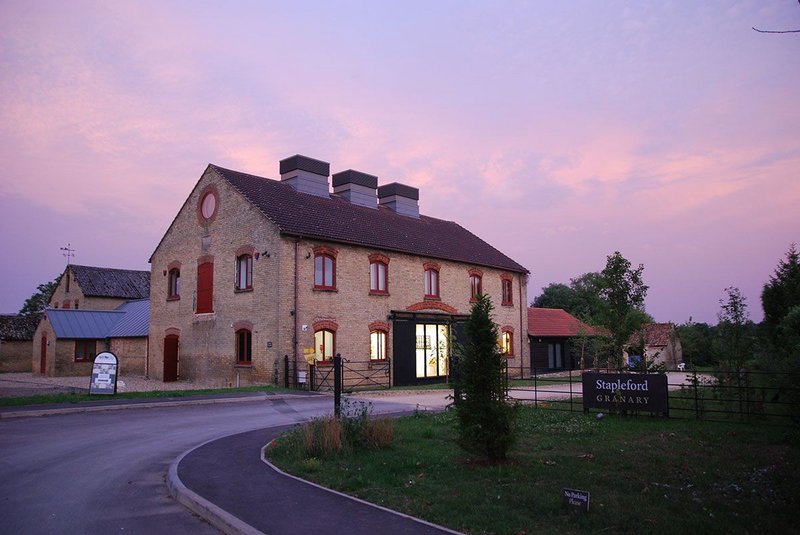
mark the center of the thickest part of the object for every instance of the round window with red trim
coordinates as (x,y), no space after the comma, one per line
(208,206)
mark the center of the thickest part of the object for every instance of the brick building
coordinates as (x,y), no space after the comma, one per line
(98,288)
(16,337)
(254,272)
(67,340)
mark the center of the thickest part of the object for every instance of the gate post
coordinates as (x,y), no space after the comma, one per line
(337,385)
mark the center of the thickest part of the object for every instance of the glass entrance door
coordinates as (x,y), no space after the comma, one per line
(432,350)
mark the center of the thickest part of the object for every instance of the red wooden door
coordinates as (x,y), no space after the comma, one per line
(205,288)
(170,358)
(43,357)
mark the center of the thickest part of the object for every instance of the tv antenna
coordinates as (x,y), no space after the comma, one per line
(69,252)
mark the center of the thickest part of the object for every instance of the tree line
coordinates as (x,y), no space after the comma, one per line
(613,299)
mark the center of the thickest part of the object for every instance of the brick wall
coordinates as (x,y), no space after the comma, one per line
(61,296)
(131,355)
(15,356)
(207,341)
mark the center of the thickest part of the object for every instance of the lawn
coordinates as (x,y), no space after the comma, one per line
(645,474)
(158,394)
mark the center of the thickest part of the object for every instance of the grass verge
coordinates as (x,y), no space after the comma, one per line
(644,474)
(157,394)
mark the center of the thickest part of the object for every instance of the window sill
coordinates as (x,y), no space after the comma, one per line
(174,298)
(325,289)
(247,365)
(507,304)
(242,290)
(431,298)
(379,293)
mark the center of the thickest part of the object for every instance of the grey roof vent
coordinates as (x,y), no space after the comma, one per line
(306,175)
(357,187)
(400,198)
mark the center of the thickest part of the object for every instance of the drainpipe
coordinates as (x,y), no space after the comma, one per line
(147,358)
(295,340)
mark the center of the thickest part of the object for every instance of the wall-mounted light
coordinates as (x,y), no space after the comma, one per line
(308,255)
(265,253)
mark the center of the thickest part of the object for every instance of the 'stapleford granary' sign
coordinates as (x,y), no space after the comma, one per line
(625,391)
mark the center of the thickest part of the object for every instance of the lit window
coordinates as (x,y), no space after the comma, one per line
(244,272)
(174,284)
(324,345)
(507,343)
(244,347)
(431,282)
(85,350)
(476,285)
(377,277)
(324,272)
(508,298)
(377,345)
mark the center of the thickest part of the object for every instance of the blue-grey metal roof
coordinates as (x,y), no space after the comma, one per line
(136,321)
(91,324)
(130,319)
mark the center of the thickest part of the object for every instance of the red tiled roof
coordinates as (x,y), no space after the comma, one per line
(556,322)
(655,335)
(336,219)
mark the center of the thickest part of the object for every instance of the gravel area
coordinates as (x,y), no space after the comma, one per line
(28,384)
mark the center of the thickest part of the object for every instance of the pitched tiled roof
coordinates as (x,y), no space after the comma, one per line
(16,328)
(109,282)
(130,319)
(655,335)
(336,219)
(556,322)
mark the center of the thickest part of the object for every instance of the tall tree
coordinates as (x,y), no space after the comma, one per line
(780,295)
(37,302)
(733,328)
(624,291)
(581,298)
(485,418)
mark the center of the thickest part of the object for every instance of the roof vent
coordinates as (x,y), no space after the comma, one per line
(357,187)
(306,175)
(400,198)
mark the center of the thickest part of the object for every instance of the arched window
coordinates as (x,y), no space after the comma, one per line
(174,284)
(377,345)
(244,272)
(378,273)
(431,281)
(507,342)
(476,285)
(507,286)
(324,271)
(244,347)
(324,345)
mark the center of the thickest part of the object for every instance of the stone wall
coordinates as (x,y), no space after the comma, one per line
(15,356)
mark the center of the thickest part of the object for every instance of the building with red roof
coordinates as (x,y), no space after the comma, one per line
(558,340)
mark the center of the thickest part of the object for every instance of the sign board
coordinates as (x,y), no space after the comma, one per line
(104,374)
(577,500)
(625,391)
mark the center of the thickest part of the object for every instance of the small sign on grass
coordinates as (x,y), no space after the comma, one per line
(576,500)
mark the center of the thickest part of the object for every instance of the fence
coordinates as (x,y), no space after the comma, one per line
(714,395)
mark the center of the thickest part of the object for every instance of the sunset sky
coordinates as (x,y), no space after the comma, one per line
(559,132)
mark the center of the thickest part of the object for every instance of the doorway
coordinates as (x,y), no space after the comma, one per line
(171,358)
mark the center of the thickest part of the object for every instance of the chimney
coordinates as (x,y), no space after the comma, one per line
(400,198)
(306,175)
(357,187)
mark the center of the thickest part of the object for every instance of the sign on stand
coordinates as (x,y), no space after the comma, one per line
(104,374)
(576,500)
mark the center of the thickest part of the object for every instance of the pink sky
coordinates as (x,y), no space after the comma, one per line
(559,132)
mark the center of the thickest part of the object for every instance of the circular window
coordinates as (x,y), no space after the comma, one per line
(209,205)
